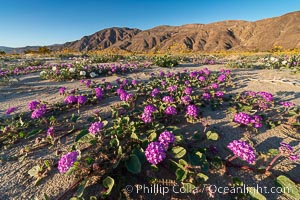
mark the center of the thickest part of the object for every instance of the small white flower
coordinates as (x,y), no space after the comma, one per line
(93,74)
(284,62)
(42,73)
(272,59)
(82,73)
(72,70)
(54,68)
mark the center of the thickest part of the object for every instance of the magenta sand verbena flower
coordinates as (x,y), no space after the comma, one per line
(242,150)
(155,153)
(95,127)
(166,138)
(150,108)
(67,161)
(10,110)
(170,110)
(71,99)
(147,117)
(192,111)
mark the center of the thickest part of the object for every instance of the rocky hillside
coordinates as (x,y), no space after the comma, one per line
(224,35)
(102,39)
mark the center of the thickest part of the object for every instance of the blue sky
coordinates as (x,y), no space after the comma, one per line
(45,22)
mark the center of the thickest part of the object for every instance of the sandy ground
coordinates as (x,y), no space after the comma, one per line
(15,183)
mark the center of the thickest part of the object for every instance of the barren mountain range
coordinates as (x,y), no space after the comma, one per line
(225,35)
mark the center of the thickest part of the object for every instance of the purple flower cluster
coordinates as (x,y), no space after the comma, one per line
(287,104)
(246,119)
(168,99)
(50,131)
(215,85)
(147,114)
(99,93)
(219,94)
(71,99)
(62,90)
(88,83)
(250,93)
(242,150)
(206,71)
(201,78)
(150,108)
(95,128)
(124,96)
(192,111)
(287,150)
(170,110)
(221,78)
(39,111)
(147,117)
(33,105)
(155,92)
(166,138)
(10,110)
(81,99)
(172,88)
(186,99)
(267,96)
(188,90)
(66,161)
(134,82)
(155,153)
(206,96)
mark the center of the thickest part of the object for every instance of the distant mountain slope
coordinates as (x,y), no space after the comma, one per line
(224,35)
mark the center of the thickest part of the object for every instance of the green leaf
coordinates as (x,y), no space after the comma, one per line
(178,152)
(47,163)
(108,183)
(134,136)
(21,134)
(91,119)
(34,171)
(202,176)
(183,162)
(88,138)
(114,142)
(133,164)
(139,152)
(288,186)
(246,108)
(32,133)
(212,135)
(46,197)
(105,122)
(198,159)
(71,169)
(81,188)
(74,118)
(217,162)
(254,194)
(152,136)
(81,134)
(178,138)
(188,187)
(237,182)
(89,160)
(273,152)
(181,174)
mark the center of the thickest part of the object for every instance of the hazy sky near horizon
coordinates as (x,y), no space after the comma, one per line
(46,22)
